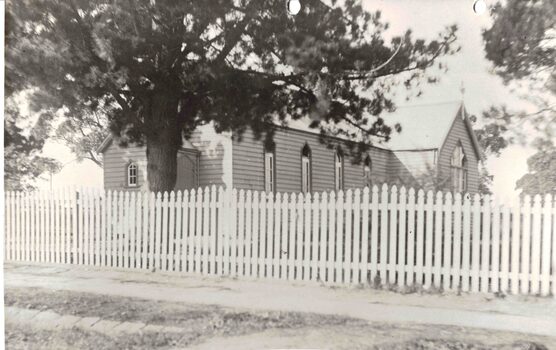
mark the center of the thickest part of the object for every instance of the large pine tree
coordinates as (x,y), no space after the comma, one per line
(160,68)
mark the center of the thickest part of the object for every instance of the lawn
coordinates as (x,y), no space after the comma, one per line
(211,326)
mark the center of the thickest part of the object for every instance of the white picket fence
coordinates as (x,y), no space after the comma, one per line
(394,237)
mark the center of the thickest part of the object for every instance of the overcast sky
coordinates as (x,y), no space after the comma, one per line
(426,18)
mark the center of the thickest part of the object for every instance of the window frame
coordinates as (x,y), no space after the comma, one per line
(458,167)
(269,172)
(338,170)
(367,168)
(132,166)
(306,169)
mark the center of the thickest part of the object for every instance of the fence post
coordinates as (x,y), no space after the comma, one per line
(348,239)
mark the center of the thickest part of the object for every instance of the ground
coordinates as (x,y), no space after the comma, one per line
(175,312)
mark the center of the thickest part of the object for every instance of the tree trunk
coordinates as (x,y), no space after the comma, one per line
(163,142)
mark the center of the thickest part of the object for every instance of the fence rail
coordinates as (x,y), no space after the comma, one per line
(393,237)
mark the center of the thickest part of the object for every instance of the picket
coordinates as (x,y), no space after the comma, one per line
(348,239)
(536,246)
(255,262)
(185,246)
(505,250)
(248,233)
(339,237)
(455,243)
(374,235)
(205,232)
(447,244)
(269,235)
(191,233)
(284,238)
(241,232)
(515,250)
(456,254)
(212,237)
(331,236)
(263,236)
(356,250)
(392,235)
(526,246)
(383,264)
(429,242)
(307,236)
(410,264)
(476,244)
(314,237)
(232,220)
(199,232)
(495,270)
(485,245)
(437,245)
(545,259)
(364,237)
(291,236)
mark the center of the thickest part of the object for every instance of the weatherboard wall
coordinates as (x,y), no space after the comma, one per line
(459,133)
(248,163)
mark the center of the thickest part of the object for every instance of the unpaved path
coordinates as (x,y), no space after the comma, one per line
(527,315)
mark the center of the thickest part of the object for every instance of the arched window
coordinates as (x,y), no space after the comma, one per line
(459,170)
(306,169)
(338,170)
(269,169)
(367,165)
(132,172)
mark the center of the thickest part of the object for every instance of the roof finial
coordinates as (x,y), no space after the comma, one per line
(462,90)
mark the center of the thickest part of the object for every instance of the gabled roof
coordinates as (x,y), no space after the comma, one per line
(426,127)
(108,140)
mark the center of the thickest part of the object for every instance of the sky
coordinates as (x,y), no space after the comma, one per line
(426,18)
